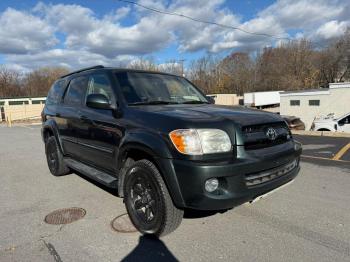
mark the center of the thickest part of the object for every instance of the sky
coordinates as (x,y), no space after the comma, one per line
(76,34)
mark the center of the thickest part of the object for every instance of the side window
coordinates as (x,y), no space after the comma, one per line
(100,84)
(56,92)
(295,102)
(314,102)
(345,120)
(76,91)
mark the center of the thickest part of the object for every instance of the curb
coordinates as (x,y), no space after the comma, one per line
(320,133)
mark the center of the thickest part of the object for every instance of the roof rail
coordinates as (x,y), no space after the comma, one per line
(82,70)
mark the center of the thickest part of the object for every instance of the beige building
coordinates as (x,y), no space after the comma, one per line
(309,104)
(227,99)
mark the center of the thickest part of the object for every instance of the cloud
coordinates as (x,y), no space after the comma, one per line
(22,32)
(301,14)
(71,59)
(332,29)
(28,38)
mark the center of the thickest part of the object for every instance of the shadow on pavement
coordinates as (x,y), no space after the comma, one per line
(150,248)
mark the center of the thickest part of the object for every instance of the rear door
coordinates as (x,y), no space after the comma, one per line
(68,116)
(103,133)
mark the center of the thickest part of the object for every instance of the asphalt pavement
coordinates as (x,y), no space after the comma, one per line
(307,221)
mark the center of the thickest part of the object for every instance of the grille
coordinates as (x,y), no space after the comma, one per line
(255,135)
(269,175)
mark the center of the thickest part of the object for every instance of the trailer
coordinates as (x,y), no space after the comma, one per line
(262,99)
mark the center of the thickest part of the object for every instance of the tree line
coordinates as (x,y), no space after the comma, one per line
(288,66)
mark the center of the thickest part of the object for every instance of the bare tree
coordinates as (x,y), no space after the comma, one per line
(38,82)
(144,64)
(10,82)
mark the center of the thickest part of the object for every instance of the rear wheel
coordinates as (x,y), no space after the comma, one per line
(54,158)
(148,202)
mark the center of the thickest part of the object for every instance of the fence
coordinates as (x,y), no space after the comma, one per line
(21,108)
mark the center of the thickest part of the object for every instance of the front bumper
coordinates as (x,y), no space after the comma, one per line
(234,186)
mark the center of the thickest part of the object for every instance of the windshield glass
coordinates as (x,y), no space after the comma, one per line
(153,88)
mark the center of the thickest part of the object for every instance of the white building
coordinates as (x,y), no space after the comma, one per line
(309,104)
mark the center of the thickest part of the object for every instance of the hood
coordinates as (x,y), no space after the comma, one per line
(240,115)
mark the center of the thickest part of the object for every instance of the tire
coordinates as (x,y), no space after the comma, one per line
(54,158)
(148,202)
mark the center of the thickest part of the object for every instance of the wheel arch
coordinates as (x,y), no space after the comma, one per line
(50,129)
(135,150)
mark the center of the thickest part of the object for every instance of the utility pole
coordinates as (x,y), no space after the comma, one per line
(182,66)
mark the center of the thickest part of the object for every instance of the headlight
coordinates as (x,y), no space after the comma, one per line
(200,141)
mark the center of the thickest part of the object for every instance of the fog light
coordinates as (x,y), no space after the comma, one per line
(211,184)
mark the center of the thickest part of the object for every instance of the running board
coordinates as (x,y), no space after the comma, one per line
(93,173)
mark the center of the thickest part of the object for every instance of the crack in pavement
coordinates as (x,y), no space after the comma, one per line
(52,251)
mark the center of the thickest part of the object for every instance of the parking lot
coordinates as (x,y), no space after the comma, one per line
(307,221)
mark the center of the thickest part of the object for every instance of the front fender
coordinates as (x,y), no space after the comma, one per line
(155,146)
(152,142)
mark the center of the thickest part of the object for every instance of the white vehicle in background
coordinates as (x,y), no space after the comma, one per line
(329,123)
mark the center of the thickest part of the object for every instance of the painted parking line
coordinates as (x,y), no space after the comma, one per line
(325,158)
(341,152)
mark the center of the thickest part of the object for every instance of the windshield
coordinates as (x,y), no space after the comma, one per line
(152,88)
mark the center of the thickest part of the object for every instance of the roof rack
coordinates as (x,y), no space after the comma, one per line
(82,70)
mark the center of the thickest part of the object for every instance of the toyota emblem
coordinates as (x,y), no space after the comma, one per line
(271,133)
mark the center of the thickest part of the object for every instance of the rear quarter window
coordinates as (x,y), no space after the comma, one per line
(56,92)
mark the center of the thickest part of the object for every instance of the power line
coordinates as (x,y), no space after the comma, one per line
(205,22)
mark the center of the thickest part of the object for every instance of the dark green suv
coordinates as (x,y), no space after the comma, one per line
(162,144)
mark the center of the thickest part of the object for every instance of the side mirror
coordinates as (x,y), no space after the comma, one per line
(210,99)
(98,101)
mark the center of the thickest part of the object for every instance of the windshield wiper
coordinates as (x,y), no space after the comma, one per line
(155,102)
(194,102)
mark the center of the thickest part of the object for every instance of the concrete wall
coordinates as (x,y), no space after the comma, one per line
(333,100)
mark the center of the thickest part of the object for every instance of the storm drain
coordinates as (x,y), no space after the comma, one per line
(65,216)
(123,224)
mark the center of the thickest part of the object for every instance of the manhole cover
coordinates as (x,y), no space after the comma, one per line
(123,224)
(65,216)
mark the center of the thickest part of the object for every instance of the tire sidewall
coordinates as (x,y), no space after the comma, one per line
(51,145)
(142,170)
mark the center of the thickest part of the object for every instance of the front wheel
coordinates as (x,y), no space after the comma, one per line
(148,202)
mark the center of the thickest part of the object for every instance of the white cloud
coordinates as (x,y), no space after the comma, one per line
(332,29)
(21,32)
(299,14)
(28,37)
(67,58)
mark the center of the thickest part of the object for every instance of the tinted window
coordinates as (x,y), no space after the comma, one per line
(295,102)
(76,91)
(99,84)
(56,92)
(314,102)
